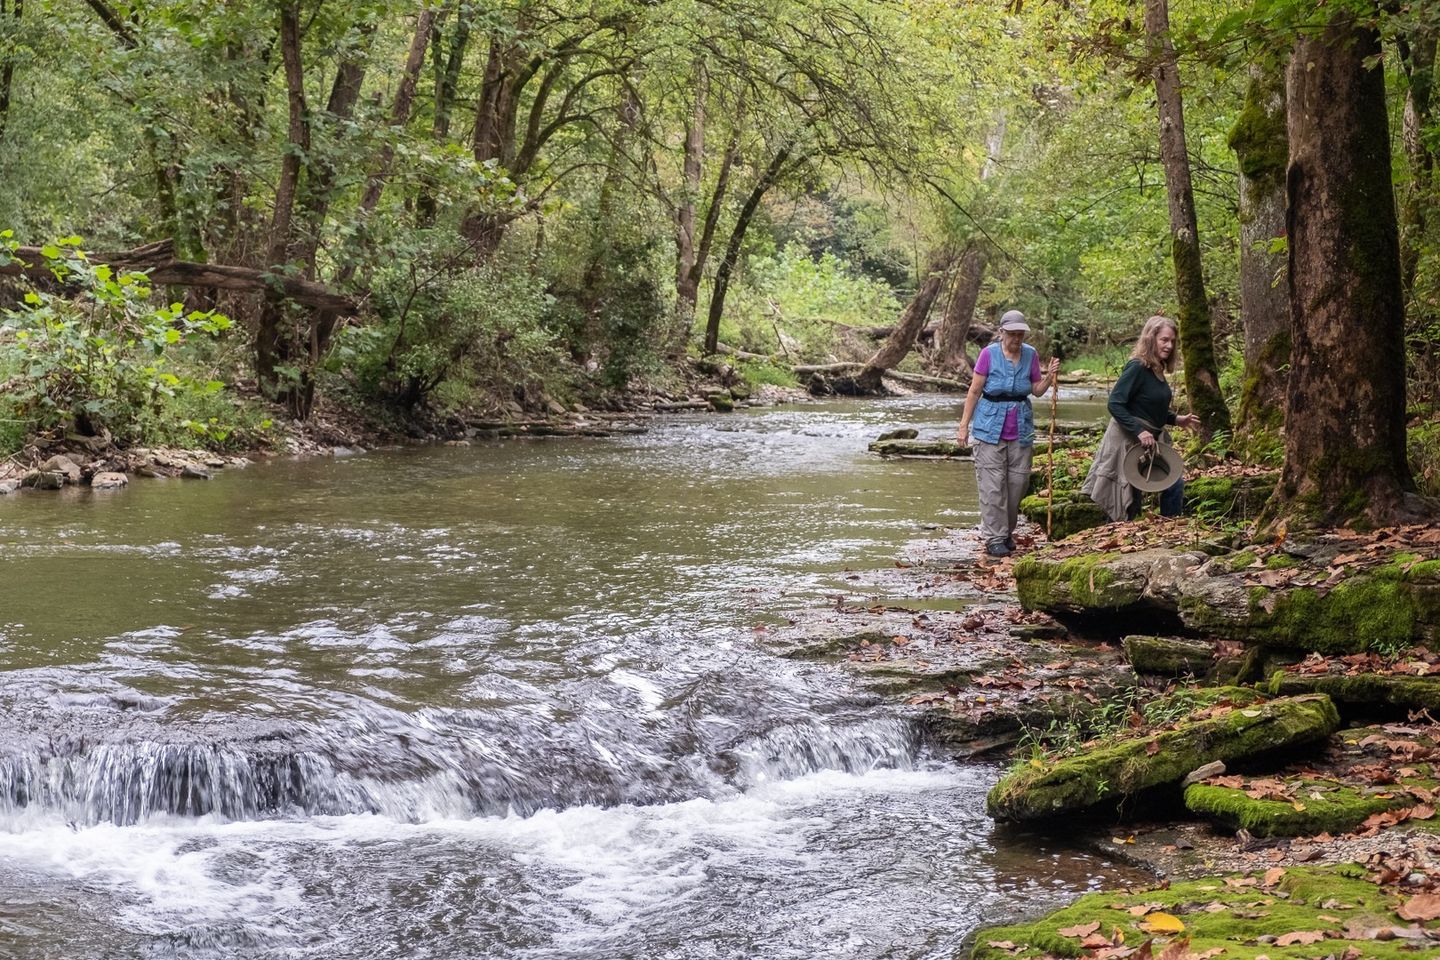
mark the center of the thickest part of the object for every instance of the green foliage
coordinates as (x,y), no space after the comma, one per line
(98,354)
(793,302)
(481,328)
(758,374)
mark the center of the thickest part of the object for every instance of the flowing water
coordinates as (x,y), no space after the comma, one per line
(498,701)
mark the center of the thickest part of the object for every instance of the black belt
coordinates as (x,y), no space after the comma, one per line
(1006,397)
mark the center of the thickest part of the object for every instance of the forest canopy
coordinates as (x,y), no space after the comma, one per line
(446,206)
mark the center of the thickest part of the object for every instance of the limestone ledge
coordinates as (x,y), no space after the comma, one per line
(1122,768)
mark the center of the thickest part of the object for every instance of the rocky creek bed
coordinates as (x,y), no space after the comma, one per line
(1249,721)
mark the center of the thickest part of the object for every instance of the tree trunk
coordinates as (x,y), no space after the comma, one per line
(274,344)
(732,249)
(960,310)
(7,61)
(400,110)
(686,283)
(1262,150)
(1197,343)
(1345,428)
(447,83)
(1418,61)
(912,320)
(493,140)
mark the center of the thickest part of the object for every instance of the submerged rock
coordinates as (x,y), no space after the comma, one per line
(108,480)
(1128,766)
(919,448)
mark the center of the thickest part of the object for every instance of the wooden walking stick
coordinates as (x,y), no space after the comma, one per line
(1050,491)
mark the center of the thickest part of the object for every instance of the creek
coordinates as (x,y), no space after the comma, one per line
(495,701)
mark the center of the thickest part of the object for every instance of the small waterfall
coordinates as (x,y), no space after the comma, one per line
(125,783)
(459,774)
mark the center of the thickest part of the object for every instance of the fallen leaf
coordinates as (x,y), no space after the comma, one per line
(1163,923)
(1422,906)
(1272,876)
(1081,930)
(1299,936)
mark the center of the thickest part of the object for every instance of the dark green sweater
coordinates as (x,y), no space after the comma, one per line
(1140,395)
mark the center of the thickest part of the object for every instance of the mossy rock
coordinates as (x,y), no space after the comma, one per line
(919,448)
(721,401)
(1383,609)
(1070,513)
(1337,809)
(1395,690)
(1169,656)
(904,433)
(1101,581)
(1226,916)
(1116,770)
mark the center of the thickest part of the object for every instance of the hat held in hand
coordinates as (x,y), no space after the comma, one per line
(1153,470)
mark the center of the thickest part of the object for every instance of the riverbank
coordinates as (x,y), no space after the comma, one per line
(55,459)
(1094,664)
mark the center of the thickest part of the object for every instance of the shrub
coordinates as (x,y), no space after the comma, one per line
(92,352)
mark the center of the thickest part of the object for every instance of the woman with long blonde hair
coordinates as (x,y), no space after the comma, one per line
(1139,411)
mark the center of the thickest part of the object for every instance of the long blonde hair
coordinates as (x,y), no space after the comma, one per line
(1146,352)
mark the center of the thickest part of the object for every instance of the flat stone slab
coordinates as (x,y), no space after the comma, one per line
(1238,727)
(1365,771)
(1397,690)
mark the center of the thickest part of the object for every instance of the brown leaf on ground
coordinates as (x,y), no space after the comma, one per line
(1272,876)
(1422,906)
(1080,930)
(1300,937)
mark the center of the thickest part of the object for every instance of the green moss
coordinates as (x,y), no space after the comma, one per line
(1240,560)
(1038,790)
(1082,582)
(1337,809)
(1258,136)
(1249,912)
(1362,688)
(1070,514)
(1362,613)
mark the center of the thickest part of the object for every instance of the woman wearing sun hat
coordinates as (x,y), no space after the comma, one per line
(999,426)
(1140,410)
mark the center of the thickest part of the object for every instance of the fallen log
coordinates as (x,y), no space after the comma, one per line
(157,260)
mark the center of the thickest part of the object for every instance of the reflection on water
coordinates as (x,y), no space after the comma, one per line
(495,701)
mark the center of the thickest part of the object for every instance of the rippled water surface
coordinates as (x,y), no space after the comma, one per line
(497,701)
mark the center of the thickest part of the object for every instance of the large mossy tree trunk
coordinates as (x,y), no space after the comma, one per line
(1258,139)
(912,321)
(1345,400)
(1197,342)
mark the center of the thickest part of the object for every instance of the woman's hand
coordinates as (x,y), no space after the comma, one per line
(962,433)
(1052,370)
(1147,439)
(1188,421)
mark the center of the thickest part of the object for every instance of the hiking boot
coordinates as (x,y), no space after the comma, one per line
(999,548)
(1010,542)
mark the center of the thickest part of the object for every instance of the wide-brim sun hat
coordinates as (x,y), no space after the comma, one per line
(1151,471)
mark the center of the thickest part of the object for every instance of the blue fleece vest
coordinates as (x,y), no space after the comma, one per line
(1011,378)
